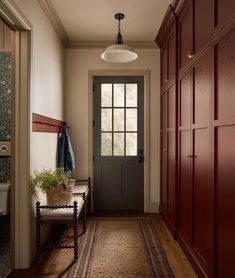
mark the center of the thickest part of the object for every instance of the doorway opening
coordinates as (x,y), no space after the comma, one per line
(14,138)
(6,78)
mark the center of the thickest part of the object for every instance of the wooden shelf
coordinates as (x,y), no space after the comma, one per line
(42,123)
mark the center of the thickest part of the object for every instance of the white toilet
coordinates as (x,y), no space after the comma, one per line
(4,198)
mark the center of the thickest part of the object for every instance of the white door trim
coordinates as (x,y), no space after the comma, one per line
(21,209)
(146,75)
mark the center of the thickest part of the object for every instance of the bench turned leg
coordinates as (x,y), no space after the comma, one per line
(38,232)
(84,212)
(75,231)
(84,219)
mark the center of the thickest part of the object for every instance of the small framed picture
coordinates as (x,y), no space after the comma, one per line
(5,148)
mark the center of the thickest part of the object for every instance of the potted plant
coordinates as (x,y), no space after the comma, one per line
(55,183)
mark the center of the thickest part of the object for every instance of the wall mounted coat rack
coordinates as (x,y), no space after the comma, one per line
(42,123)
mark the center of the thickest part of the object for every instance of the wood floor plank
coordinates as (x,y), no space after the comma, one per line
(178,261)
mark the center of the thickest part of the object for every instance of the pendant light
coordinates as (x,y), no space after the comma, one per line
(119,52)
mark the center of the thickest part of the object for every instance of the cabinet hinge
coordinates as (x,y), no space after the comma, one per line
(93,158)
(93,123)
(93,88)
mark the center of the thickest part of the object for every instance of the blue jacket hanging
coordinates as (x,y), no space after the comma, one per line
(65,158)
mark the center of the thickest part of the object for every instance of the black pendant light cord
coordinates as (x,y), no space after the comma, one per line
(119,39)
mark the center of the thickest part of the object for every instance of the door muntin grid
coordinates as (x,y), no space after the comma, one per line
(119,119)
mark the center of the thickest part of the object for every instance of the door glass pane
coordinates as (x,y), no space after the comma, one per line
(106,95)
(118,144)
(131,119)
(131,143)
(106,119)
(131,95)
(118,119)
(118,95)
(106,143)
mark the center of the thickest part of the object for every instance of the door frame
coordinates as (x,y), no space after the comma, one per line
(146,75)
(21,127)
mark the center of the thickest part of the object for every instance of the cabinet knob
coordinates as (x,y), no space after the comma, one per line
(165,79)
(165,150)
(190,55)
(191,156)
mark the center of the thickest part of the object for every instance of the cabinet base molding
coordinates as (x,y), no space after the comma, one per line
(189,252)
(169,224)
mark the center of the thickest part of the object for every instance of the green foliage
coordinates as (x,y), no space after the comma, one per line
(48,179)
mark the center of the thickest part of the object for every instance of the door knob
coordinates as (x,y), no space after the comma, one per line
(191,156)
(190,55)
(140,158)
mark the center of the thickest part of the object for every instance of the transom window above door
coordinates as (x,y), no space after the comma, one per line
(119,119)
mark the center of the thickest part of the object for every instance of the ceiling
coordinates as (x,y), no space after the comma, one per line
(93,20)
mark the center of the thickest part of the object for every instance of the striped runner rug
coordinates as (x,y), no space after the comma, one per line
(120,248)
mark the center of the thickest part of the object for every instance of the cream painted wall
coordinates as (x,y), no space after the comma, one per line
(47,88)
(47,80)
(77,64)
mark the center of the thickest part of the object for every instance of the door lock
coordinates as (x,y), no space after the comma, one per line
(140,158)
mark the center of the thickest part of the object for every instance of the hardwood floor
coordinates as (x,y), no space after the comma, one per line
(58,262)
(178,261)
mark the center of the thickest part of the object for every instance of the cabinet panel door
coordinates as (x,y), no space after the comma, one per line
(202,23)
(202,239)
(164,151)
(171,151)
(225,201)
(171,108)
(164,169)
(172,55)
(164,66)
(202,92)
(225,74)
(164,111)
(186,35)
(224,10)
(185,189)
(185,91)
(171,163)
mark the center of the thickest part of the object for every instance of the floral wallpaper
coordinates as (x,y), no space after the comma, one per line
(5,111)
(5,169)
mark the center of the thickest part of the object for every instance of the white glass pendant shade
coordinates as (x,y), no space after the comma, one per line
(119,53)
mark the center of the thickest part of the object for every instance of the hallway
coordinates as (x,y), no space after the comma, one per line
(137,99)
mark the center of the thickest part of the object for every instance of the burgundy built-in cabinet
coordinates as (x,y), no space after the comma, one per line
(197,41)
(168,127)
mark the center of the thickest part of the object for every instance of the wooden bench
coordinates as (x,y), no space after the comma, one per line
(64,214)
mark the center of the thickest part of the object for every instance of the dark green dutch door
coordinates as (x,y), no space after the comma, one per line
(119,143)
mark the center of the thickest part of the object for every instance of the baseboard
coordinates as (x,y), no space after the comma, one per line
(189,252)
(171,227)
(154,207)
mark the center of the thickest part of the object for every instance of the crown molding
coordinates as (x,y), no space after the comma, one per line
(13,16)
(53,17)
(167,22)
(104,44)
(169,19)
